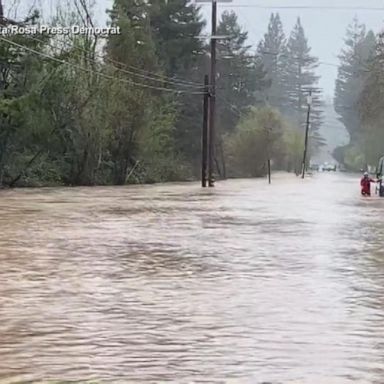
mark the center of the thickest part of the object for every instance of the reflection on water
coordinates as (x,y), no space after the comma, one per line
(244,283)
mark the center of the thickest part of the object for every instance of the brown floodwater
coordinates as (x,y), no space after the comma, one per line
(244,283)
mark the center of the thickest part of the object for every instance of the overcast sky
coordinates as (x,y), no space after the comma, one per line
(325,29)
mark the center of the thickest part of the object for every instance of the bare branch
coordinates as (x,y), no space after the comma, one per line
(85,8)
(79,12)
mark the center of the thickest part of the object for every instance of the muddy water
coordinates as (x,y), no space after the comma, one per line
(245,283)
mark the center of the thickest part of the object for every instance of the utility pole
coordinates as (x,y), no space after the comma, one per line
(212,90)
(204,138)
(309,103)
(212,99)
(268,157)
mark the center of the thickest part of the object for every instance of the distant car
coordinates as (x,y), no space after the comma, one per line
(330,168)
(314,167)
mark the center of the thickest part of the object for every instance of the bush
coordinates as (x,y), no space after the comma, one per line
(257,138)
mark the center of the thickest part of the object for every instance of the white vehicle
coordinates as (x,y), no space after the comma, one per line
(329,167)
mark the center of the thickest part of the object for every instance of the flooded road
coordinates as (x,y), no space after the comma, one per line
(245,283)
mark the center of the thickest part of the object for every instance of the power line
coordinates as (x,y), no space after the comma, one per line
(152,77)
(97,72)
(302,7)
(148,74)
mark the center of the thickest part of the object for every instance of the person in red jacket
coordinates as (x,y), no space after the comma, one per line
(365,184)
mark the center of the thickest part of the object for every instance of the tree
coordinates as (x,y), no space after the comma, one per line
(293,150)
(271,50)
(176,26)
(239,73)
(132,105)
(239,77)
(300,78)
(352,72)
(370,135)
(134,47)
(255,140)
(22,76)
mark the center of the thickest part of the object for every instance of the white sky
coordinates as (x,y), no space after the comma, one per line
(325,29)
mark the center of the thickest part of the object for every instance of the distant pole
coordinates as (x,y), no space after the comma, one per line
(204,138)
(212,100)
(306,134)
(268,158)
(269,171)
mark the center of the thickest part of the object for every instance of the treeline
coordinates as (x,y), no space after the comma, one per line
(86,110)
(359,97)
(283,74)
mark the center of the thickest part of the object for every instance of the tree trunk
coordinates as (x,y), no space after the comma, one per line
(1,12)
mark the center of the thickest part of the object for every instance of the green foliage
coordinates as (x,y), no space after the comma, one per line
(175,27)
(157,148)
(352,73)
(358,96)
(240,76)
(300,78)
(272,53)
(104,120)
(354,159)
(293,149)
(255,140)
(291,71)
(240,80)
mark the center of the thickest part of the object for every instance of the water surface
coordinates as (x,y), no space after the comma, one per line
(244,283)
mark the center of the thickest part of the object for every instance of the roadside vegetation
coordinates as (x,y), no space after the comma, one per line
(87,110)
(358,97)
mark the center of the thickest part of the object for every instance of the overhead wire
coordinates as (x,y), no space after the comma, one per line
(152,77)
(47,56)
(302,7)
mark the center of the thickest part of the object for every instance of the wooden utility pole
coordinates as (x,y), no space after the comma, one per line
(204,136)
(268,157)
(269,170)
(309,102)
(212,99)
(212,90)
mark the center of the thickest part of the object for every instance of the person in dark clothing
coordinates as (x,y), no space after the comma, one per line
(365,184)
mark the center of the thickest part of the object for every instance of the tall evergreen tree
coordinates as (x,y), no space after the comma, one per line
(271,49)
(176,26)
(300,78)
(352,72)
(240,75)
(371,107)
(133,110)
(134,46)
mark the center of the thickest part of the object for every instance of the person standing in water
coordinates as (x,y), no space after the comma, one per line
(365,184)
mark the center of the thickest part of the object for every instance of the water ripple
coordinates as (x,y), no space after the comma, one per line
(246,283)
